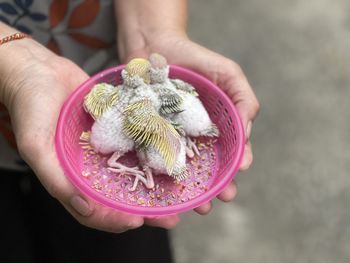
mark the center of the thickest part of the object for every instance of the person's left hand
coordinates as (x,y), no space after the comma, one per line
(227,74)
(34,83)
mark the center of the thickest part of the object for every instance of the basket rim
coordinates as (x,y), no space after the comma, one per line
(85,189)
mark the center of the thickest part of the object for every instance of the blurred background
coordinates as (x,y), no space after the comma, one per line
(293,204)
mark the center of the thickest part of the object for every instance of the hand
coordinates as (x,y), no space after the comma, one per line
(34,85)
(228,75)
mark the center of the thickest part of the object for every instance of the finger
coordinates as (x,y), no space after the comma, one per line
(204,209)
(247,114)
(42,159)
(247,157)
(135,54)
(227,74)
(243,97)
(167,222)
(229,193)
(106,219)
(84,210)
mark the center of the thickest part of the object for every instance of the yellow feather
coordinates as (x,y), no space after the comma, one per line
(147,128)
(139,67)
(100,98)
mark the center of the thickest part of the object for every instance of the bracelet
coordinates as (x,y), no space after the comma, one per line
(12,37)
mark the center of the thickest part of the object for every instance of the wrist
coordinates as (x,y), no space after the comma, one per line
(15,57)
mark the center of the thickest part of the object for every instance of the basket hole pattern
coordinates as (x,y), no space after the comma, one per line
(227,142)
(75,126)
(79,121)
(219,113)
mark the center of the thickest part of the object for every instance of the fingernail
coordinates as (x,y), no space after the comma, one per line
(249,129)
(80,205)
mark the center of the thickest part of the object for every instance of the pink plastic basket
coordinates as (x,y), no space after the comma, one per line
(210,173)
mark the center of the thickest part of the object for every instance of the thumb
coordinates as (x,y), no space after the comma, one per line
(50,174)
(247,109)
(85,211)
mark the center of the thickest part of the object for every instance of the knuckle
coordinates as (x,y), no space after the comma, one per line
(256,106)
(247,162)
(235,67)
(54,191)
(245,166)
(134,224)
(227,70)
(101,221)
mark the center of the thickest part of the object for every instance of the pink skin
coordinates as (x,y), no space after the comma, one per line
(148,181)
(27,69)
(117,167)
(149,177)
(191,148)
(26,72)
(166,34)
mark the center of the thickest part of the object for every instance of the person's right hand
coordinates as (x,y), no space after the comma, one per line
(34,82)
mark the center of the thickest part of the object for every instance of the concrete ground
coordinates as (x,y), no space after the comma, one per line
(293,204)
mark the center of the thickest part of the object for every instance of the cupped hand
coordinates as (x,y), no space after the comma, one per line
(34,85)
(228,75)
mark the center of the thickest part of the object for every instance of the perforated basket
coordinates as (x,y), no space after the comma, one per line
(209,174)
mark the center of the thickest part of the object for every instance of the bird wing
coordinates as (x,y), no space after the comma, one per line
(147,128)
(171,102)
(184,86)
(101,97)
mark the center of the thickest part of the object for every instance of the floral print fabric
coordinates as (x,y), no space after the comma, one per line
(81,30)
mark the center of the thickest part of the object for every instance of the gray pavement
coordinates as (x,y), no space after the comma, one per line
(293,204)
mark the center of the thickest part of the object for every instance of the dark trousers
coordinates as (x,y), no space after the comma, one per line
(34,227)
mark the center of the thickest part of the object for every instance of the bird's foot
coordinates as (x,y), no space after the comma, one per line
(191,148)
(149,177)
(122,169)
(113,159)
(134,171)
(148,181)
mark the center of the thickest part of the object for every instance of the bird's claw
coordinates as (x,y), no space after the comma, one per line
(120,168)
(191,148)
(144,176)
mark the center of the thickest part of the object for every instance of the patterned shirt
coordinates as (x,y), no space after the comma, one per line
(81,30)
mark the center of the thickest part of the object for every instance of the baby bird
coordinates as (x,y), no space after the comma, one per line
(127,118)
(181,105)
(153,163)
(158,145)
(106,105)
